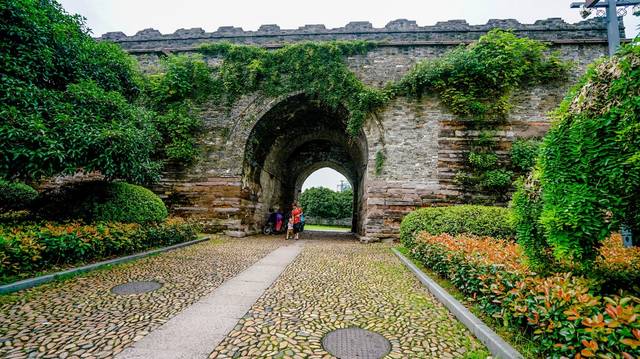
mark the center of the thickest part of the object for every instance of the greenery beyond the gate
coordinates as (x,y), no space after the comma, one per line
(321,202)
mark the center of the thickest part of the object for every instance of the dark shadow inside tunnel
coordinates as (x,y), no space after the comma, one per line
(296,137)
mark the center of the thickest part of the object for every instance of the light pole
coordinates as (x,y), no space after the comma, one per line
(611,6)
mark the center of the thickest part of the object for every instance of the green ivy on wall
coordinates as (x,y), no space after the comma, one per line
(484,171)
(477,80)
(474,80)
(174,93)
(317,69)
(379,162)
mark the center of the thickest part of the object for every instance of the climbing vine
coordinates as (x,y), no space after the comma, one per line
(484,171)
(174,93)
(317,69)
(379,162)
(477,80)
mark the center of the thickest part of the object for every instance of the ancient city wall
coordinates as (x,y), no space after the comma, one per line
(423,143)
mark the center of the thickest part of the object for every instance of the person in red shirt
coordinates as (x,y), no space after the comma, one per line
(296,213)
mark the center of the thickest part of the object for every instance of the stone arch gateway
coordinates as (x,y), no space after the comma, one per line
(295,137)
(246,163)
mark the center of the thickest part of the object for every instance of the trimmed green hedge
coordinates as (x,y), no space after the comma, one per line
(28,249)
(463,219)
(129,203)
(16,195)
(102,201)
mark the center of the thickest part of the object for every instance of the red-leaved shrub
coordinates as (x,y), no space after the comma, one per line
(563,313)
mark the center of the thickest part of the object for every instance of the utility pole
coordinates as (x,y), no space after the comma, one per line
(613,25)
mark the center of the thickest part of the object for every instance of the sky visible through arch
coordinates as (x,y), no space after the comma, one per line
(324,177)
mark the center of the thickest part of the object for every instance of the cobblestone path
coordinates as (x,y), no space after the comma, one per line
(81,318)
(339,284)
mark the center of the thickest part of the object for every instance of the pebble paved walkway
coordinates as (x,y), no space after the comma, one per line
(339,284)
(81,318)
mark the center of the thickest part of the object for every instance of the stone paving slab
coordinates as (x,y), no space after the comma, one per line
(80,317)
(192,333)
(336,284)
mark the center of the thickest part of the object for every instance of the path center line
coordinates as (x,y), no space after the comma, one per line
(197,330)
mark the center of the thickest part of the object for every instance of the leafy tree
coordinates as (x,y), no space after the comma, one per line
(344,200)
(322,202)
(589,163)
(65,99)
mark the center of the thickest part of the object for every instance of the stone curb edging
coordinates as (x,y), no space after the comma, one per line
(32,282)
(496,345)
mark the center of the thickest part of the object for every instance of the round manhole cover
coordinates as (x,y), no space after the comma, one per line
(136,287)
(356,343)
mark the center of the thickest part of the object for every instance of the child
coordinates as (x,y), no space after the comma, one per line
(290,229)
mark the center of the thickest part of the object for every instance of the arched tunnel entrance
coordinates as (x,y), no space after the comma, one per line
(293,139)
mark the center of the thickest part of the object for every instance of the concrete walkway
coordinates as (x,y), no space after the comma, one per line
(201,327)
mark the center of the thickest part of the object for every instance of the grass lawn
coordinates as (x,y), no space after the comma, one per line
(320,227)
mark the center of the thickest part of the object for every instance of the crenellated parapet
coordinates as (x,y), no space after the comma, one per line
(396,32)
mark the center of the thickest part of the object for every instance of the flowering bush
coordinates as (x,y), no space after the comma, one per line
(561,312)
(28,248)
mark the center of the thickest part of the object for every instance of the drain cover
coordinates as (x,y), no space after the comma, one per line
(136,287)
(352,343)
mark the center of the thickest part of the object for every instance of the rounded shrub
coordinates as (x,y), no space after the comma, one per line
(16,195)
(463,219)
(128,203)
(101,201)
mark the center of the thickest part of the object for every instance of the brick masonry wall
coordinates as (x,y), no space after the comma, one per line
(424,144)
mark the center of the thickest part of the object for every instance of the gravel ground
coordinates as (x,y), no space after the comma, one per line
(339,284)
(80,317)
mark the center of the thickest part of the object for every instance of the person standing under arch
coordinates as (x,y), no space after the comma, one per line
(297,213)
